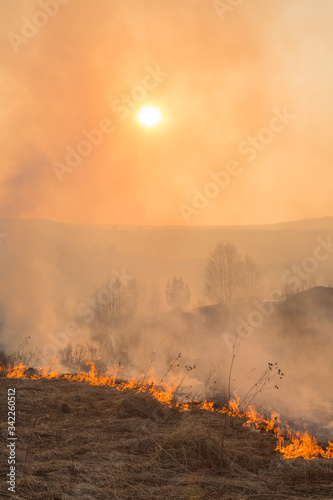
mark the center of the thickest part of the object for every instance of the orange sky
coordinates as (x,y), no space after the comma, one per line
(222,83)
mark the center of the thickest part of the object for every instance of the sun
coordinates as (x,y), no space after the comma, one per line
(149,116)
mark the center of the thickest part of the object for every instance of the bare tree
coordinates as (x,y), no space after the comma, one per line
(291,288)
(177,293)
(249,278)
(118,302)
(229,278)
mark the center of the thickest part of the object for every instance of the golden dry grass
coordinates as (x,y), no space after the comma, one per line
(88,442)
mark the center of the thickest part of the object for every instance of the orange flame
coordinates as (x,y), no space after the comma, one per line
(296,445)
(17,371)
(206,406)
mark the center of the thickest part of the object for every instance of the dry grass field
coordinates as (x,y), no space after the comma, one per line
(92,442)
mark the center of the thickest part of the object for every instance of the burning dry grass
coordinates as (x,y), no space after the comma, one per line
(96,442)
(292,444)
(142,405)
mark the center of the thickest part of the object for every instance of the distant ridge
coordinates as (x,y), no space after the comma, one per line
(320,224)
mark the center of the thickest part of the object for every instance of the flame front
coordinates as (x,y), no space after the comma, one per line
(291,445)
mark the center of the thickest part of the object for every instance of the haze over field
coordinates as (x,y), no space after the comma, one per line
(51,273)
(165,186)
(48,268)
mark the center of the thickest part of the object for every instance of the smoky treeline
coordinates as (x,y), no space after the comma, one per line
(169,299)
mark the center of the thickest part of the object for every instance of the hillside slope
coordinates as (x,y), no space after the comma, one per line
(94,443)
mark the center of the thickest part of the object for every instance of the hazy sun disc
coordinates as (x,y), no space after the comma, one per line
(149,116)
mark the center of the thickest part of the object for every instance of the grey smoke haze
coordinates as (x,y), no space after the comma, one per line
(49,269)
